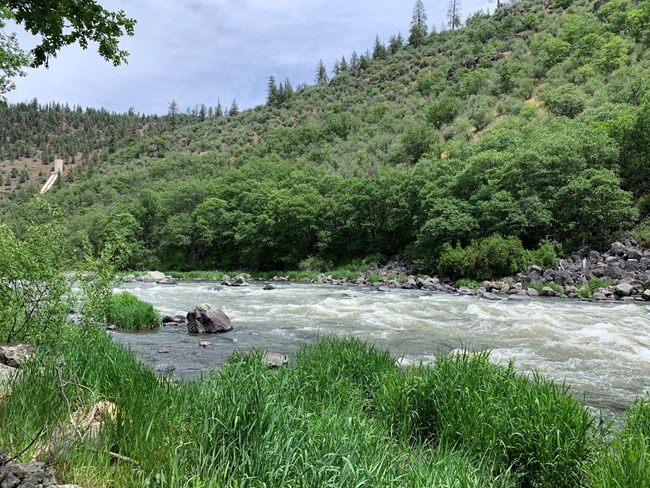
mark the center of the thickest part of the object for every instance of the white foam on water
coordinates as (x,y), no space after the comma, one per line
(603,349)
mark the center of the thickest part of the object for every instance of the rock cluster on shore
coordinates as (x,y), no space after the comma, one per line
(623,270)
(621,273)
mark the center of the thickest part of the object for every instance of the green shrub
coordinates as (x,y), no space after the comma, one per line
(493,257)
(544,256)
(130,313)
(468,283)
(374,278)
(34,292)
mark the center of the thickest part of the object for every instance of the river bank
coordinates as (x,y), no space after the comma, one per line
(341,414)
(621,273)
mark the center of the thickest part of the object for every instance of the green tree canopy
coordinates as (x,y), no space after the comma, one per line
(59,23)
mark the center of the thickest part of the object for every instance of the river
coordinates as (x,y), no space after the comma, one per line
(601,349)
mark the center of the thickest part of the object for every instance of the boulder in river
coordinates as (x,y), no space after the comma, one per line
(152,277)
(207,318)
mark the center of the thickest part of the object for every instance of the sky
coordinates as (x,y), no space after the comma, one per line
(202,51)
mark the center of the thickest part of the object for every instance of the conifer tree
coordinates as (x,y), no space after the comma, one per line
(395,43)
(288,90)
(453,14)
(202,112)
(379,50)
(336,69)
(418,25)
(234,109)
(321,73)
(172,112)
(354,60)
(272,92)
(343,66)
(218,111)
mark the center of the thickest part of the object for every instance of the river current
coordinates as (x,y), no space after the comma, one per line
(601,349)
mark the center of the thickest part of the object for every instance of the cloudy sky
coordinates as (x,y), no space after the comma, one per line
(199,51)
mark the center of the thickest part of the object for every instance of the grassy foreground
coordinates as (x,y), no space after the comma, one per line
(342,414)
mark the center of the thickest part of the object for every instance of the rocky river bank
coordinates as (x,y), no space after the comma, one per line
(620,273)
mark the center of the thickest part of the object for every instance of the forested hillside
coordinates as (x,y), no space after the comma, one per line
(527,126)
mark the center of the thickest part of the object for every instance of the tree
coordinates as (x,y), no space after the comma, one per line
(60,23)
(395,43)
(418,25)
(218,112)
(453,14)
(272,91)
(321,74)
(379,50)
(343,65)
(234,109)
(172,112)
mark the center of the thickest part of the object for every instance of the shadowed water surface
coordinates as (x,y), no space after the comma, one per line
(601,349)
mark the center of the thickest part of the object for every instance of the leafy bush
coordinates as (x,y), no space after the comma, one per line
(34,292)
(130,313)
(493,257)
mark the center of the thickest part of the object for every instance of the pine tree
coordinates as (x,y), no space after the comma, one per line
(395,43)
(288,90)
(453,14)
(202,112)
(321,74)
(336,69)
(172,112)
(218,112)
(354,60)
(343,66)
(272,92)
(379,50)
(418,30)
(234,109)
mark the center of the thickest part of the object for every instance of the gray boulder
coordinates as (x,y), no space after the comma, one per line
(489,296)
(519,298)
(532,292)
(29,475)
(624,289)
(207,318)
(15,354)
(548,292)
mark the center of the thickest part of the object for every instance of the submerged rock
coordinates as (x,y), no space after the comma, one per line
(207,318)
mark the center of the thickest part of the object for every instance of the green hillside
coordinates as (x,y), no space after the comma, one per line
(532,123)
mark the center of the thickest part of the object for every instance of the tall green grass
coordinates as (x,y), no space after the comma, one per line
(130,313)
(625,461)
(342,414)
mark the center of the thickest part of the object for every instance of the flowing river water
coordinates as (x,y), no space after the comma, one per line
(601,349)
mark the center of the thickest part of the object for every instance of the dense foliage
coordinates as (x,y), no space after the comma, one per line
(530,123)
